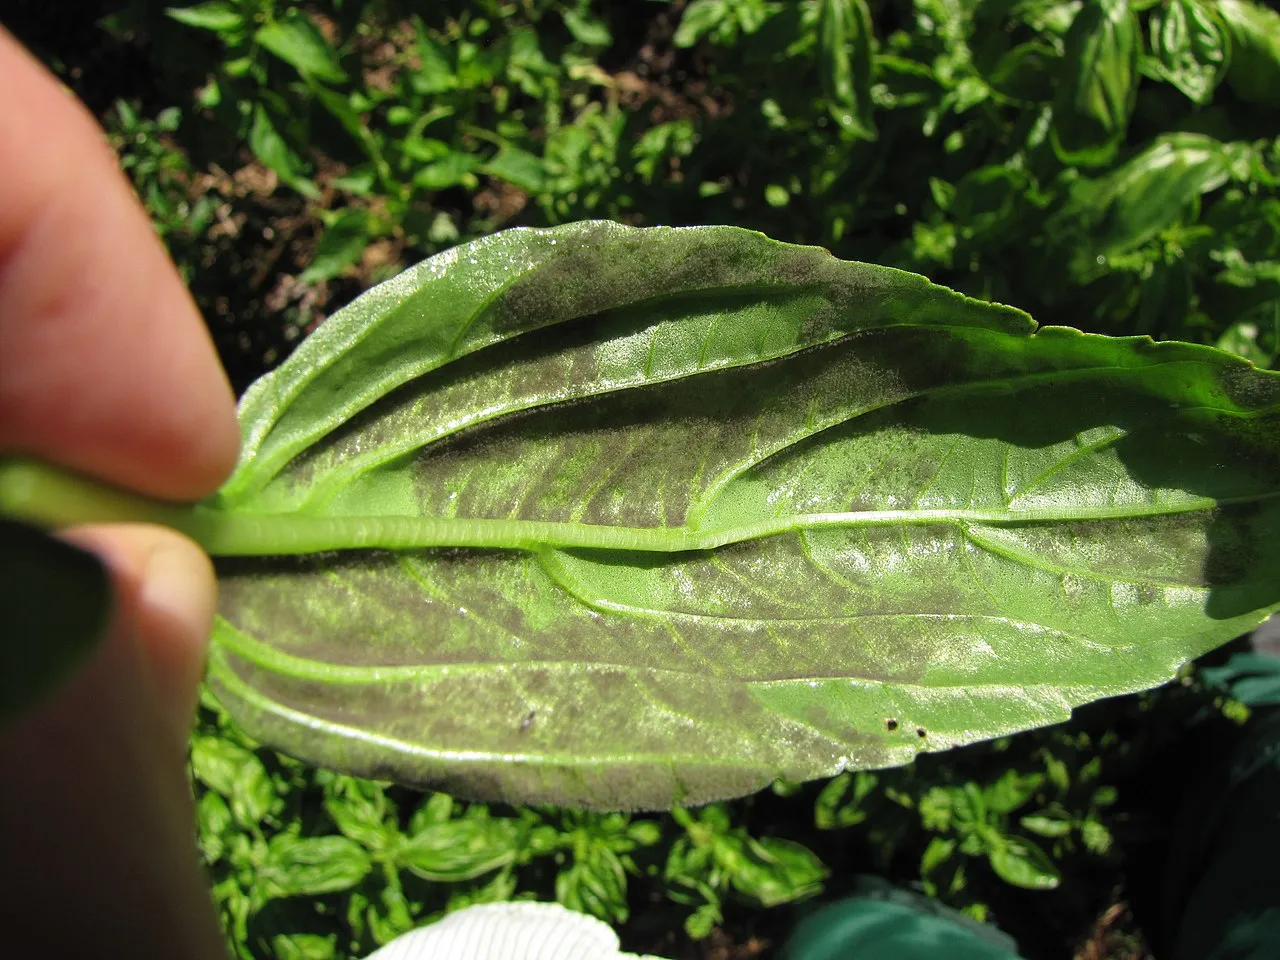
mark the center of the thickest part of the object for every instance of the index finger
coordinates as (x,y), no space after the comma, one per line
(105,365)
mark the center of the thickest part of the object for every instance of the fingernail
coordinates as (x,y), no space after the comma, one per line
(55,608)
(176,588)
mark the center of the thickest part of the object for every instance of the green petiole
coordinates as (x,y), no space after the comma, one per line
(52,497)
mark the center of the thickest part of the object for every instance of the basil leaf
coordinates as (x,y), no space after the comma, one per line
(1099,83)
(436,74)
(1254,74)
(519,168)
(845,38)
(344,242)
(1131,204)
(1049,827)
(631,516)
(270,146)
(703,17)
(310,866)
(1023,864)
(586,30)
(1011,791)
(460,849)
(217,15)
(1189,48)
(298,42)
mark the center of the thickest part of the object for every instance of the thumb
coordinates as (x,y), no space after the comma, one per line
(165,591)
(95,810)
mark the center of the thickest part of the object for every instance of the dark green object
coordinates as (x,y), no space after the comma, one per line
(54,609)
(883,922)
(1252,678)
(1222,892)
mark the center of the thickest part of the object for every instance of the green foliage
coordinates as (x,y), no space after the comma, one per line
(163,177)
(1017,820)
(715,858)
(310,863)
(846,59)
(1189,48)
(306,860)
(446,103)
(960,140)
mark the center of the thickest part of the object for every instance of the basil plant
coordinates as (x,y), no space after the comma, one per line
(625,517)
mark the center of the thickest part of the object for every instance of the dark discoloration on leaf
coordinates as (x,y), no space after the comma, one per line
(1246,389)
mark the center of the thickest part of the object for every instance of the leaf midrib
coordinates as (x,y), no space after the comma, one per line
(232,534)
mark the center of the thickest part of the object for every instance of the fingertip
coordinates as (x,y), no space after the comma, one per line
(105,364)
(166,590)
(179,591)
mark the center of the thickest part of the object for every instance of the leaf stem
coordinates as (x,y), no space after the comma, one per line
(52,497)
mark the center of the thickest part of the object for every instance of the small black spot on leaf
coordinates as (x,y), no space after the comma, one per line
(891,724)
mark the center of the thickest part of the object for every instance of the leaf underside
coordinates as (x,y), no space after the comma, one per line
(620,517)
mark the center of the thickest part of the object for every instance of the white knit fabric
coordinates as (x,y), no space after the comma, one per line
(509,931)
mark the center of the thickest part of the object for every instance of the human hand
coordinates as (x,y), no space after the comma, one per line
(106,368)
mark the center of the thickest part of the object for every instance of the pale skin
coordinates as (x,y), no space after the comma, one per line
(106,368)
